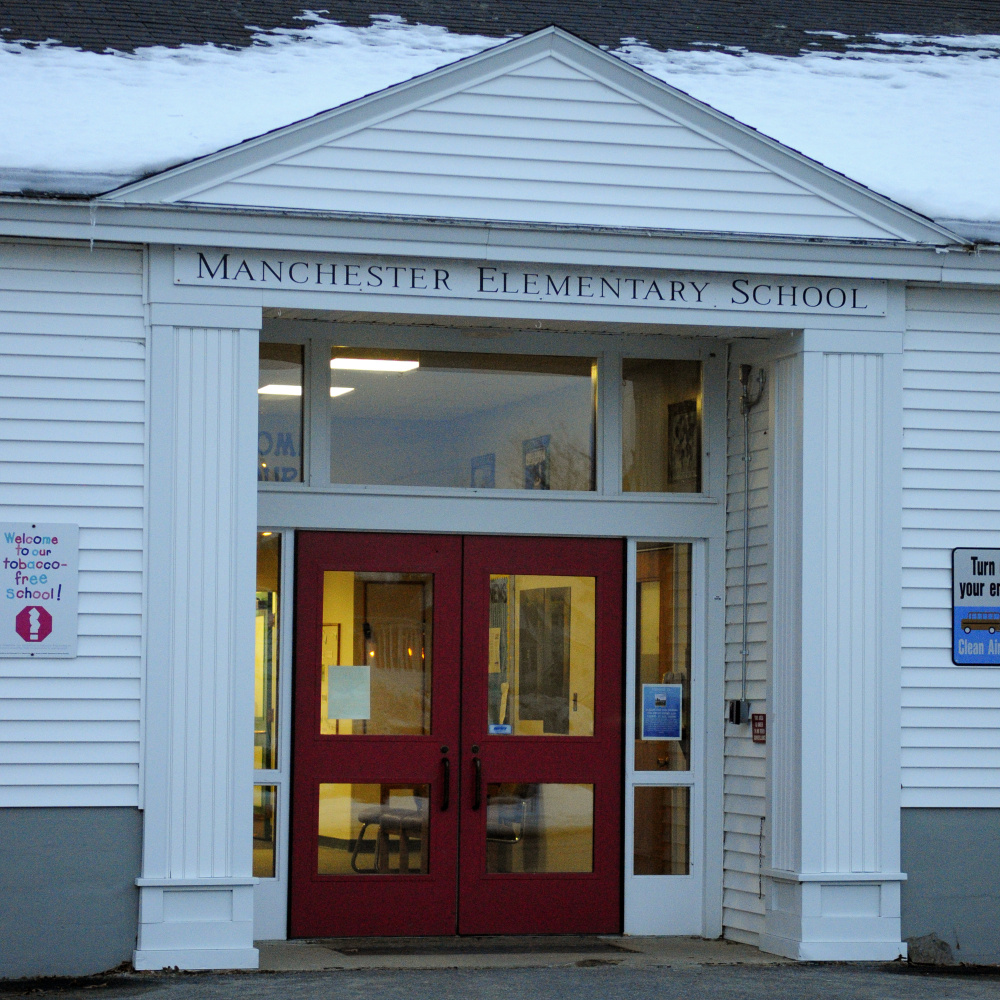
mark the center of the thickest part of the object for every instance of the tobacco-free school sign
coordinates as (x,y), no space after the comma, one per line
(39,564)
(645,288)
(975,607)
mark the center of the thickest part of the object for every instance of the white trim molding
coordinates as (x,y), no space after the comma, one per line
(196,889)
(833,884)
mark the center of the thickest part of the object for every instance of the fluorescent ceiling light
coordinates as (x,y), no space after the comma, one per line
(373,365)
(340,390)
(280,390)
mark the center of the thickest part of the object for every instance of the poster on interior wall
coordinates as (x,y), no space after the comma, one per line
(975,607)
(661,711)
(39,587)
(683,446)
(536,462)
(484,471)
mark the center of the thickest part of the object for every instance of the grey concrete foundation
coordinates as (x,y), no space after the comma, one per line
(952,861)
(68,900)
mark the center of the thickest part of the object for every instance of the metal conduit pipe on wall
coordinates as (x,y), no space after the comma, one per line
(739,711)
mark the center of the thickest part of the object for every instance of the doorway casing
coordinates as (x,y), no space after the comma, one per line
(689,904)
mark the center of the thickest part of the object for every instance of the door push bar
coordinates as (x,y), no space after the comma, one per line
(477,788)
(446,785)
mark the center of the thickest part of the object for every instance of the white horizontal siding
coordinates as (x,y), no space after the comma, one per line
(951,498)
(745,761)
(542,144)
(72,429)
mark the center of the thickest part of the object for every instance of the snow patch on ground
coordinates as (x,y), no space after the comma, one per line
(919,121)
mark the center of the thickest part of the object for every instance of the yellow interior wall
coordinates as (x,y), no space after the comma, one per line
(649,619)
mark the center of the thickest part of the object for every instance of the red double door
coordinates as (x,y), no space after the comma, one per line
(457,735)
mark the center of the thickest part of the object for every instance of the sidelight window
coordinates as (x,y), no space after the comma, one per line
(661,426)
(279,413)
(265,742)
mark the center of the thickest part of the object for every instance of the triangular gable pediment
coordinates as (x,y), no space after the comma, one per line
(543,130)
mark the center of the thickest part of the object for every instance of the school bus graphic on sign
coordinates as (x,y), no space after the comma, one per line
(982,621)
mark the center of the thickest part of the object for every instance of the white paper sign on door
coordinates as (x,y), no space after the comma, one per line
(39,567)
(349,693)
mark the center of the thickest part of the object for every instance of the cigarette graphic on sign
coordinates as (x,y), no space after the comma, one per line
(33,623)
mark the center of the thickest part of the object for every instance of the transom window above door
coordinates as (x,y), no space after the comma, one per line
(479,420)
(485,421)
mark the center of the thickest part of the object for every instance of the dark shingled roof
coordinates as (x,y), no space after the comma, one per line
(774,26)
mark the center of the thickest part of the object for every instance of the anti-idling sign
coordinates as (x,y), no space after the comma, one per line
(975,607)
(39,565)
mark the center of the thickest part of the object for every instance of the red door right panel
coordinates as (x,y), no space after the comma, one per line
(540,844)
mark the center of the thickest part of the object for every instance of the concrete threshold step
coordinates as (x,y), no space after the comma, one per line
(484,952)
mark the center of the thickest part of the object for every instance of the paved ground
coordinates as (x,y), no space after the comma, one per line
(583,969)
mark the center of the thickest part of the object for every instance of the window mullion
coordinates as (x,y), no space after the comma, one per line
(317,410)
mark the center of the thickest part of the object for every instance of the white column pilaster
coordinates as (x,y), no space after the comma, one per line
(834,728)
(196,889)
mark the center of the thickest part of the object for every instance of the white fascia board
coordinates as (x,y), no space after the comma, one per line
(112,222)
(188,179)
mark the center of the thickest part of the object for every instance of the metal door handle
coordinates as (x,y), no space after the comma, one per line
(477,788)
(446,788)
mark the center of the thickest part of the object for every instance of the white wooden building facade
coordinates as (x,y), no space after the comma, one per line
(129,334)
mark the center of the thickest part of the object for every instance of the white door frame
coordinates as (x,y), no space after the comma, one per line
(672,904)
(270,911)
(688,905)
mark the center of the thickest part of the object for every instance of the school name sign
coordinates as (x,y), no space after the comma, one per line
(641,289)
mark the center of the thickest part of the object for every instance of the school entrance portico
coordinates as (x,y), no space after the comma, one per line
(487,678)
(388,808)
(501,560)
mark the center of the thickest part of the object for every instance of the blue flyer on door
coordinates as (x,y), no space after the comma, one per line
(661,711)
(975,603)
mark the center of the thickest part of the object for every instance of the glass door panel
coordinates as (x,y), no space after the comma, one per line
(265,685)
(376,653)
(373,829)
(264,830)
(662,838)
(541,655)
(663,657)
(534,828)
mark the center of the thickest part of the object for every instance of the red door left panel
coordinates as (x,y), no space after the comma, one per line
(376,729)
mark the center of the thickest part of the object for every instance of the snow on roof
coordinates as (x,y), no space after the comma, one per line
(914,118)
